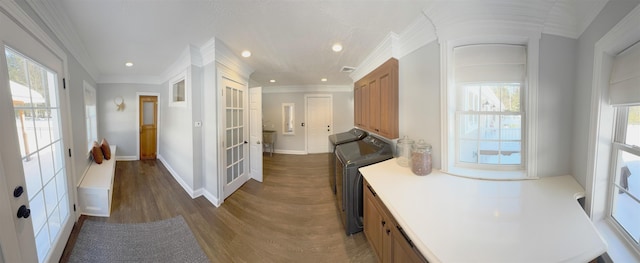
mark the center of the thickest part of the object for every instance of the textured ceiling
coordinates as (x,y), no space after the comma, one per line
(290,39)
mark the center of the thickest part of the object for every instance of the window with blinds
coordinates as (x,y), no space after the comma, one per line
(624,95)
(489,112)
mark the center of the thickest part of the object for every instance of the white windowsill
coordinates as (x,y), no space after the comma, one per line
(618,249)
(489,174)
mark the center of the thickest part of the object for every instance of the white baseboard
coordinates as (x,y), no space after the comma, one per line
(179,179)
(126,158)
(211,198)
(290,152)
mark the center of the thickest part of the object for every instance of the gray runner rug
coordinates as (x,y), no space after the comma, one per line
(168,240)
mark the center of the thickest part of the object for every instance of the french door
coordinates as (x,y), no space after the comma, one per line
(235,135)
(34,195)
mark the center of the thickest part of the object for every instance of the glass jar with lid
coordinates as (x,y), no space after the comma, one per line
(421,158)
(403,151)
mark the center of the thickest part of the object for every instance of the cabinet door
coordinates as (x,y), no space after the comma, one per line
(402,248)
(357,105)
(388,101)
(374,105)
(372,219)
(365,115)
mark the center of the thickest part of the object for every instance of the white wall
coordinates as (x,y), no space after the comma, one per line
(610,15)
(272,116)
(176,137)
(120,127)
(419,95)
(555,104)
(420,101)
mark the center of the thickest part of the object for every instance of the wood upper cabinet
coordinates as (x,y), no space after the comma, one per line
(387,238)
(376,100)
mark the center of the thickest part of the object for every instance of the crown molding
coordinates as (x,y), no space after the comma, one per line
(136,79)
(225,56)
(208,52)
(388,48)
(55,18)
(307,89)
(416,35)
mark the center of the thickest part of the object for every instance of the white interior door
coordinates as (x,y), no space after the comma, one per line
(33,110)
(319,113)
(255,130)
(236,133)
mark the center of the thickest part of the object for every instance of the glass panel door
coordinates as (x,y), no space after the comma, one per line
(235,135)
(37,114)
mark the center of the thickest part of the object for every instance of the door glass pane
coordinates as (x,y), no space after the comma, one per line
(229,97)
(240,99)
(34,92)
(31,167)
(148,113)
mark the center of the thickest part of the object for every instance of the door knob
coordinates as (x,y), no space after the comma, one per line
(245,142)
(258,142)
(24,212)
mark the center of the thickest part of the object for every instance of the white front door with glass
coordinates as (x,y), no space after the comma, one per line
(34,166)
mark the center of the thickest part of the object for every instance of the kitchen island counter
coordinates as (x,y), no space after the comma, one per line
(457,219)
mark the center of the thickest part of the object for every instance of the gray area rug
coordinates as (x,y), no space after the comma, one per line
(168,240)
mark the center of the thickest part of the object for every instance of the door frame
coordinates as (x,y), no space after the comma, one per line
(306,116)
(222,73)
(138,95)
(15,12)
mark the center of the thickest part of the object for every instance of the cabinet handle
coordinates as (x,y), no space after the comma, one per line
(371,190)
(405,236)
(388,231)
(384,222)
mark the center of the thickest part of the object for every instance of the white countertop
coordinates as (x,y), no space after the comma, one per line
(456,219)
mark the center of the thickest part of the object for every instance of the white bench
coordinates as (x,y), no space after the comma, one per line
(96,189)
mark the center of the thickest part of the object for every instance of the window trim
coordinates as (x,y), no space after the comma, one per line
(621,115)
(531,40)
(624,34)
(182,76)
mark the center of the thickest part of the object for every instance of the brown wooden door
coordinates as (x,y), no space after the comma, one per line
(148,127)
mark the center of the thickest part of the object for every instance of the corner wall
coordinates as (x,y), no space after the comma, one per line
(610,15)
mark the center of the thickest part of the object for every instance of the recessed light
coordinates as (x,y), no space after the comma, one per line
(246,53)
(337,47)
(272,81)
(323,79)
(128,64)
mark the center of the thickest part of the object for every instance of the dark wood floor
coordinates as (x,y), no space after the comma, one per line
(290,217)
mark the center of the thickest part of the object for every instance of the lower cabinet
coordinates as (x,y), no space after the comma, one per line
(387,238)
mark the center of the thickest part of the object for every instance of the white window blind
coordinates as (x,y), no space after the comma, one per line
(624,85)
(490,63)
